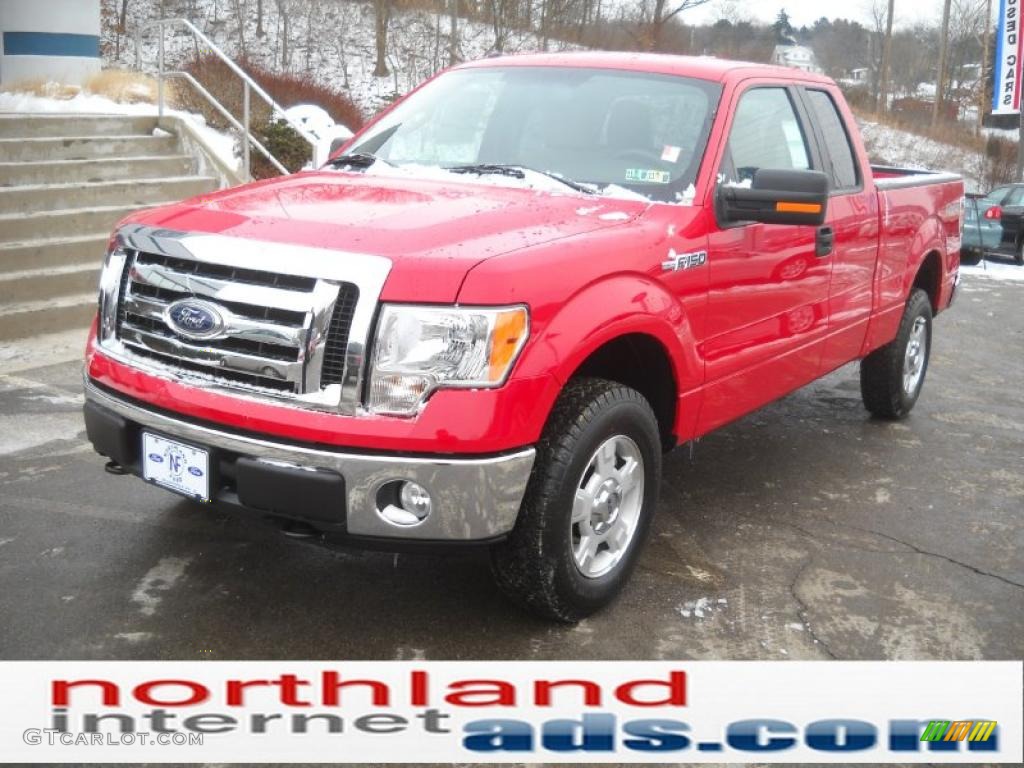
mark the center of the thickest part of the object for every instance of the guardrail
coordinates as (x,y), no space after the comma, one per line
(249,86)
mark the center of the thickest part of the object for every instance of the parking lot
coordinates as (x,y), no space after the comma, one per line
(805,531)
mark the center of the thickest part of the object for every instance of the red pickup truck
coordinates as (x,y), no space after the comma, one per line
(484,321)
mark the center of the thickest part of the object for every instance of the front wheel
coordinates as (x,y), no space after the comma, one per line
(891,377)
(589,503)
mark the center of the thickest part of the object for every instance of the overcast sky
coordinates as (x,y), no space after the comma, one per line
(803,12)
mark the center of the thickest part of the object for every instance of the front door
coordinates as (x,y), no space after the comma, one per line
(768,300)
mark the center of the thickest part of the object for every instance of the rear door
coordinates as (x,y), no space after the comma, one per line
(852,226)
(768,294)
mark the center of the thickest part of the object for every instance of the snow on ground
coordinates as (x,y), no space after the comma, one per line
(891,146)
(994,270)
(90,104)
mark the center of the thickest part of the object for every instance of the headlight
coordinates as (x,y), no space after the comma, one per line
(419,349)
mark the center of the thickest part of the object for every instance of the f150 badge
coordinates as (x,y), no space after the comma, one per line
(678,261)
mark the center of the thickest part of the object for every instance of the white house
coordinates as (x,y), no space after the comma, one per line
(796,56)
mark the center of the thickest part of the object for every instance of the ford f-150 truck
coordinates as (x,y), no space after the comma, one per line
(488,316)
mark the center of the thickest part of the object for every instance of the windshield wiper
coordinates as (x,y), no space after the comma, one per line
(356,160)
(516,172)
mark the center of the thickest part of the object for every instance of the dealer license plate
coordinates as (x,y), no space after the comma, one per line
(177,466)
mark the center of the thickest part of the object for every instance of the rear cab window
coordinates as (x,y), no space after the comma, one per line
(841,164)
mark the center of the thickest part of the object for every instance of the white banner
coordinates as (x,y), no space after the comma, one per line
(578,711)
(1007,90)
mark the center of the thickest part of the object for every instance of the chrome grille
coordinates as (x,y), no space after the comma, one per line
(296,319)
(333,371)
(268,327)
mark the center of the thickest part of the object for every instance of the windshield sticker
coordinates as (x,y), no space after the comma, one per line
(670,154)
(648,176)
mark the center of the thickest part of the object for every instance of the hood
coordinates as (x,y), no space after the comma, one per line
(434,230)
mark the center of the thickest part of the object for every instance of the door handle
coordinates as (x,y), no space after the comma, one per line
(823,242)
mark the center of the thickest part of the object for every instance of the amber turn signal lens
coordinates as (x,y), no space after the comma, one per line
(798,207)
(510,329)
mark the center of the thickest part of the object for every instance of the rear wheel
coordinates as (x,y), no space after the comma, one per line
(1018,253)
(892,376)
(589,503)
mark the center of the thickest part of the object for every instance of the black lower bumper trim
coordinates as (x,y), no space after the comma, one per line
(316,497)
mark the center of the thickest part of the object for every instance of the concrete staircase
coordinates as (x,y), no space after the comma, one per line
(65,180)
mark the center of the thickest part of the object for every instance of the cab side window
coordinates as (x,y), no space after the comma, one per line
(765,134)
(837,142)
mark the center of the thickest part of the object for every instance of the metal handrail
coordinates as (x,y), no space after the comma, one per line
(248,86)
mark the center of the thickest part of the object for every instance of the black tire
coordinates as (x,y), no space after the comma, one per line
(535,566)
(970,257)
(882,372)
(1018,253)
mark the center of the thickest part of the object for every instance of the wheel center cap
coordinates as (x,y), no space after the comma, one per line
(607,502)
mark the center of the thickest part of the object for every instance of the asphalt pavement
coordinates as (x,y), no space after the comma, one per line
(805,531)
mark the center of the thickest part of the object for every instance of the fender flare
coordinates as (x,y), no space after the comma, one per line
(927,239)
(616,306)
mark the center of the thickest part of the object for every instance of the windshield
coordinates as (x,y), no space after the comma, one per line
(606,129)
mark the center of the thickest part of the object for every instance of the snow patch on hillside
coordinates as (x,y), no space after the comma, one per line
(331,41)
(891,146)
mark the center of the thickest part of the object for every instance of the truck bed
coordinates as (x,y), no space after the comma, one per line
(894,177)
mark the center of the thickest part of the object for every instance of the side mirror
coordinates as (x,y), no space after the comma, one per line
(337,143)
(776,197)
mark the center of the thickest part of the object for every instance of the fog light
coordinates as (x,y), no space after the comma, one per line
(415,499)
(403,503)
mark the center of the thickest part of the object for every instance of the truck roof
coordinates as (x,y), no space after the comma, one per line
(701,67)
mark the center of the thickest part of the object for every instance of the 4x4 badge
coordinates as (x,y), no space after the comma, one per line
(677,261)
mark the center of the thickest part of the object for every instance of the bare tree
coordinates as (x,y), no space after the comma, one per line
(313,27)
(877,10)
(940,75)
(982,73)
(240,14)
(912,58)
(968,24)
(285,33)
(660,13)
(886,59)
(453,33)
(501,13)
(382,18)
(260,32)
(840,46)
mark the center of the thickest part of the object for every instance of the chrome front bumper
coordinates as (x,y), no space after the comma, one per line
(473,498)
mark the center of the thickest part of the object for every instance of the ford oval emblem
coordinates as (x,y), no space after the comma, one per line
(194,319)
(195,471)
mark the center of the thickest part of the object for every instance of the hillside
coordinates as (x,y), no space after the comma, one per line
(887,145)
(328,40)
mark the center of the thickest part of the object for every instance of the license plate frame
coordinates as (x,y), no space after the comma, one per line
(176,466)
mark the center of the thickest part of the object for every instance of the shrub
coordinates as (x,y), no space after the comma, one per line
(1001,161)
(284,143)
